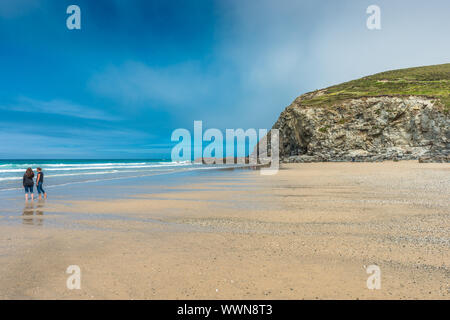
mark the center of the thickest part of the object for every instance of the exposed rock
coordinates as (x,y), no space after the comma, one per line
(365,129)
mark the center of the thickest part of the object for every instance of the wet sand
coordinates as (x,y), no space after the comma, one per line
(306,233)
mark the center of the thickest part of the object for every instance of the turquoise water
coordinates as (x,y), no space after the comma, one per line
(63,173)
(41,213)
(96,180)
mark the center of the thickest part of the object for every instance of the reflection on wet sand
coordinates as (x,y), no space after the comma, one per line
(32,215)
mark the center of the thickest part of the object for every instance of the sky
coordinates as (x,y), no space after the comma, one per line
(138,70)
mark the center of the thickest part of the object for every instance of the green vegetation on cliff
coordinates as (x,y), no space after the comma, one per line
(429,81)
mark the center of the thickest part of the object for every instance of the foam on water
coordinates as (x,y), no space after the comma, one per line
(67,172)
(64,172)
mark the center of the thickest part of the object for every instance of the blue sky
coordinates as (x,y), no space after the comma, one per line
(137,70)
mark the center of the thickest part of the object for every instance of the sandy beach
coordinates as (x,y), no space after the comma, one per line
(307,232)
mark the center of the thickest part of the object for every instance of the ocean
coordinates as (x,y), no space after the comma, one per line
(91,180)
(63,173)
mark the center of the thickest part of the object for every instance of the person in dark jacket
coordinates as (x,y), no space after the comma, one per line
(28,183)
(40,182)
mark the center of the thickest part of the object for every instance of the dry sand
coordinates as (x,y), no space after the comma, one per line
(306,233)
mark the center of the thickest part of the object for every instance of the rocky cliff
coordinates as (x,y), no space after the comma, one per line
(371,119)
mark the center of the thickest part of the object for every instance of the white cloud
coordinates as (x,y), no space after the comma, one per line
(267,53)
(134,83)
(40,140)
(59,107)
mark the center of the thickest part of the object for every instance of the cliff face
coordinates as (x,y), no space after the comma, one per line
(365,129)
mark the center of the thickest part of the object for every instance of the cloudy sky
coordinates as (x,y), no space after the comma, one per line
(137,70)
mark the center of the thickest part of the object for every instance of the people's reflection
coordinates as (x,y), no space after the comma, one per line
(31,216)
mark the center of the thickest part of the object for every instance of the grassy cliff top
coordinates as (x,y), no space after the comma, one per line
(430,81)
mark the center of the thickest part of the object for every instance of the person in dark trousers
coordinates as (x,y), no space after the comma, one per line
(40,182)
(28,183)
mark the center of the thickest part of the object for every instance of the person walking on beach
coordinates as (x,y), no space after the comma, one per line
(28,183)
(39,183)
